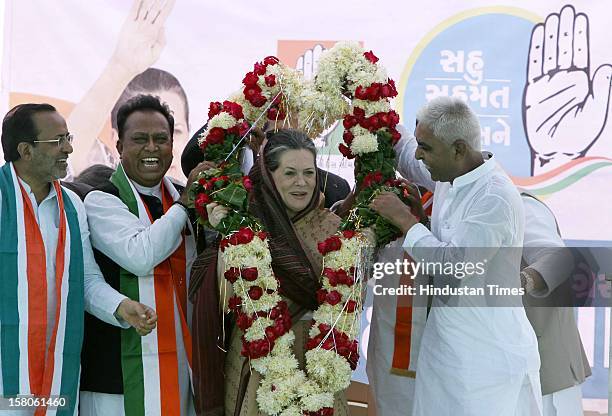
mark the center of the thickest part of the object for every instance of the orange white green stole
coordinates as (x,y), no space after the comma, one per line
(150,364)
(29,365)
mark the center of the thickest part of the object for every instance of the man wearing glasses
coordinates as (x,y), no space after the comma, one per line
(48,275)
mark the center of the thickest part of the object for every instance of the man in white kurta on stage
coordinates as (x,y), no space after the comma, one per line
(47,270)
(145,246)
(474,360)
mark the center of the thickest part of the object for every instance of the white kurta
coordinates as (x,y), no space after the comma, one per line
(475,360)
(137,248)
(101,300)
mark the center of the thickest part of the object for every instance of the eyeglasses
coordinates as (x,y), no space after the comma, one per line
(60,140)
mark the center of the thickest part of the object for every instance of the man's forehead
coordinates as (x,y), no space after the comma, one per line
(423,134)
(145,120)
(49,120)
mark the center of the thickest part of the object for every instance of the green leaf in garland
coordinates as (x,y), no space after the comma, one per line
(234,195)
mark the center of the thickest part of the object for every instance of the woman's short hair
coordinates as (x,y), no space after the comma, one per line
(151,81)
(283,140)
(451,119)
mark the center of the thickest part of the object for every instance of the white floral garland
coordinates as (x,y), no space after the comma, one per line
(346,72)
(267,341)
(263,316)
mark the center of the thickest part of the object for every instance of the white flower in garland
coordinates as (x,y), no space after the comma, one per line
(365,142)
(292,411)
(273,396)
(345,258)
(372,107)
(318,110)
(223,120)
(258,329)
(314,402)
(329,369)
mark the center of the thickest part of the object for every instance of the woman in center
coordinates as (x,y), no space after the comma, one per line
(286,199)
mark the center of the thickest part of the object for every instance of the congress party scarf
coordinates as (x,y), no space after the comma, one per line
(29,365)
(150,364)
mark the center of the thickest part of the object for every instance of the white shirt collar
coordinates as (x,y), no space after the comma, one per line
(476,173)
(153,191)
(28,189)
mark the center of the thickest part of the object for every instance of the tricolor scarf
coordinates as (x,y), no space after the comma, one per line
(29,366)
(150,364)
(410,317)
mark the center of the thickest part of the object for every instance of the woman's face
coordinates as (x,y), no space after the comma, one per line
(181,131)
(295,179)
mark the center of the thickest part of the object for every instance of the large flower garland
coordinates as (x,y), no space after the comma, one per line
(272,91)
(351,74)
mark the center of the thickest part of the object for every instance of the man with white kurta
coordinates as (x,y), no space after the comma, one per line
(144,244)
(475,360)
(47,270)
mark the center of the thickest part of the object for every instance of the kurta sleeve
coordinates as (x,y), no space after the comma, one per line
(121,236)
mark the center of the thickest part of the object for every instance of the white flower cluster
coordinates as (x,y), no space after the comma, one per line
(371,107)
(363,142)
(254,254)
(335,317)
(330,370)
(318,110)
(274,395)
(258,329)
(342,67)
(345,257)
(223,120)
(314,399)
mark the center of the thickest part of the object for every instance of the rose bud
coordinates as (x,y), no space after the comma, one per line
(249,273)
(333,298)
(232,274)
(370,56)
(244,235)
(255,292)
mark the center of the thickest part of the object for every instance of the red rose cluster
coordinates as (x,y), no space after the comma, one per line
(262,347)
(373,124)
(202,198)
(339,276)
(217,135)
(376,91)
(254,94)
(324,411)
(200,202)
(332,243)
(243,236)
(337,341)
